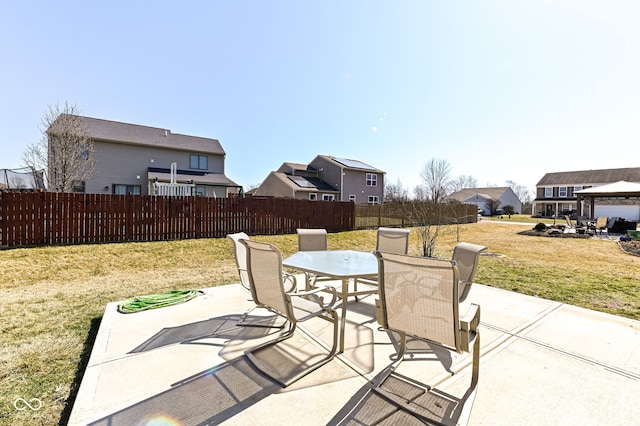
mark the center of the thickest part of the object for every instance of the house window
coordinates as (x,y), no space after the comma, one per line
(562,191)
(577,188)
(126,189)
(199,162)
(313,196)
(372,179)
(78,186)
(328,197)
(548,192)
(200,191)
(374,199)
(352,197)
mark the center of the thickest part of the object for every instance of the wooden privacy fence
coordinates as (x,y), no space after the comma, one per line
(50,218)
(413,214)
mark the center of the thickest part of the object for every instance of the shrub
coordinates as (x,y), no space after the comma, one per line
(540,227)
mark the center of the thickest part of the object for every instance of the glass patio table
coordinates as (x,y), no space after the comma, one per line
(342,265)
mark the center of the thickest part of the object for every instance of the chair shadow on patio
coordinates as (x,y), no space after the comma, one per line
(223,327)
(367,407)
(209,397)
(222,391)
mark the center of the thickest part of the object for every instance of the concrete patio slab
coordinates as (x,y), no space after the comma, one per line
(542,362)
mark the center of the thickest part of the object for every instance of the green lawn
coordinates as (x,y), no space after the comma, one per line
(54,297)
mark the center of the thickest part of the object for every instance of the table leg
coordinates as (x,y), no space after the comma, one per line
(343,314)
(307,282)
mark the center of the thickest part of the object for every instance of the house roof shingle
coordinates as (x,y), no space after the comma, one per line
(134,134)
(491,192)
(590,177)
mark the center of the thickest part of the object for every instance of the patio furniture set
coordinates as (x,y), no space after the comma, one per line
(611,225)
(416,298)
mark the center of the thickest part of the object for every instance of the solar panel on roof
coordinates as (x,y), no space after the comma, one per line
(354,163)
(301,181)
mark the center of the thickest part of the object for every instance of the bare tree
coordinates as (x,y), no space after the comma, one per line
(462,182)
(436,177)
(430,221)
(419,193)
(395,192)
(521,191)
(65,150)
(17,182)
(493,205)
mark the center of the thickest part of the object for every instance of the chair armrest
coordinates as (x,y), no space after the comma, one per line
(469,326)
(471,319)
(292,279)
(320,300)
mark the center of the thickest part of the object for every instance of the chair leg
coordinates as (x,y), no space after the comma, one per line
(284,383)
(264,321)
(476,360)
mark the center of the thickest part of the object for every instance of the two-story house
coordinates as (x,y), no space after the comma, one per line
(556,193)
(326,178)
(490,200)
(134,159)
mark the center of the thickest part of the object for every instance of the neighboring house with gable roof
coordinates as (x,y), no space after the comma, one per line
(488,199)
(555,193)
(130,159)
(325,178)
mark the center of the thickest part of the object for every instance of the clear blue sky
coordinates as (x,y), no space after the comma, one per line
(502,90)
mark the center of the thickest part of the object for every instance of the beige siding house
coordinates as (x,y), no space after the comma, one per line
(325,178)
(489,200)
(134,159)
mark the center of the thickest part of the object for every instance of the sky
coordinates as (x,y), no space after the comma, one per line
(501,90)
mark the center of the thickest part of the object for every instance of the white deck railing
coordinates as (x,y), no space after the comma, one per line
(172,189)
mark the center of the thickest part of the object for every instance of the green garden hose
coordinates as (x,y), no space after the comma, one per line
(154,301)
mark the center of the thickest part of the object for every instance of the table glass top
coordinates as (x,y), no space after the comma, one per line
(334,263)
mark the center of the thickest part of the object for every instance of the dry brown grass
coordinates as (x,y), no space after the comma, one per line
(54,297)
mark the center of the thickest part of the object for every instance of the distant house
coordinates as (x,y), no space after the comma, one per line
(556,194)
(489,200)
(135,159)
(325,178)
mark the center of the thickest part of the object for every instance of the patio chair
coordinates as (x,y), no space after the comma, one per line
(388,240)
(582,224)
(583,221)
(601,224)
(264,270)
(393,240)
(570,228)
(419,299)
(241,257)
(312,240)
(466,256)
(254,317)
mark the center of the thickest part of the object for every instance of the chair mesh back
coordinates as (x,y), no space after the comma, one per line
(420,297)
(241,256)
(312,239)
(264,264)
(466,257)
(392,240)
